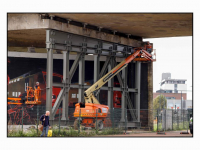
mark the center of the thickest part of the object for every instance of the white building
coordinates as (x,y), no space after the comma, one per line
(173,85)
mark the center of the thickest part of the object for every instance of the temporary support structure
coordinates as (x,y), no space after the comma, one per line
(67,42)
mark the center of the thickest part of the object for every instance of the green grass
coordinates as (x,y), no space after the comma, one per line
(65,133)
(20,133)
(85,133)
(109,131)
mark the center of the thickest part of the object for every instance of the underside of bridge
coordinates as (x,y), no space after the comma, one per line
(95,37)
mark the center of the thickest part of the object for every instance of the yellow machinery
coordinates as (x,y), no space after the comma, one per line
(87,112)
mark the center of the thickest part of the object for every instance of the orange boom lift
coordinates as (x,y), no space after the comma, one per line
(33,97)
(87,112)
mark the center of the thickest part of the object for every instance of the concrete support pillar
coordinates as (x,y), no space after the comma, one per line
(66,83)
(137,85)
(96,69)
(81,78)
(150,94)
(49,80)
(110,86)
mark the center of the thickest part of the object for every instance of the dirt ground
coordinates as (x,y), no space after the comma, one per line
(154,134)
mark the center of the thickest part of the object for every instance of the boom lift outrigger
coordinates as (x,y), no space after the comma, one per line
(88,111)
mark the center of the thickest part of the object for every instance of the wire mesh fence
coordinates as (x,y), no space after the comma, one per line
(92,122)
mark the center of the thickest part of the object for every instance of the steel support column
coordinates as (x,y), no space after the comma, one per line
(49,81)
(96,70)
(81,78)
(66,83)
(124,94)
(110,86)
(137,85)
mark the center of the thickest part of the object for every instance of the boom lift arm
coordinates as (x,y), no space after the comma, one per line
(140,54)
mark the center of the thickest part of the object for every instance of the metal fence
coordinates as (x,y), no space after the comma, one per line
(96,122)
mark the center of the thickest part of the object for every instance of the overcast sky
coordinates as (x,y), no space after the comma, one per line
(173,55)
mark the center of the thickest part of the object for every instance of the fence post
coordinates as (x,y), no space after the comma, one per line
(157,120)
(183,118)
(161,120)
(165,120)
(177,120)
(37,118)
(172,118)
(79,121)
(125,119)
(113,118)
(22,117)
(59,120)
(187,121)
(96,122)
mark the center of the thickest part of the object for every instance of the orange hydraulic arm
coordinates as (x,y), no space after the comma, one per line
(140,54)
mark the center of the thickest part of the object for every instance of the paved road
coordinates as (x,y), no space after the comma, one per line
(154,134)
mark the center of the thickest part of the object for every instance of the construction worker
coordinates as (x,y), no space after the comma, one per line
(149,47)
(30,92)
(37,91)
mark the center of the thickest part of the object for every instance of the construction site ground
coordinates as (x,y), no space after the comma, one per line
(152,134)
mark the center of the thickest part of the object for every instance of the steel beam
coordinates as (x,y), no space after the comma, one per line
(131,108)
(87,86)
(81,78)
(96,70)
(137,85)
(105,67)
(124,94)
(55,56)
(58,85)
(58,101)
(74,66)
(66,81)
(96,67)
(63,40)
(110,85)
(49,82)
(119,77)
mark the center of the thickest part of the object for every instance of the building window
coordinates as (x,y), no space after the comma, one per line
(168,91)
(175,88)
(170,98)
(73,95)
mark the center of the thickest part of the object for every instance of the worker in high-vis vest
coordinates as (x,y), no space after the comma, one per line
(37,91)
